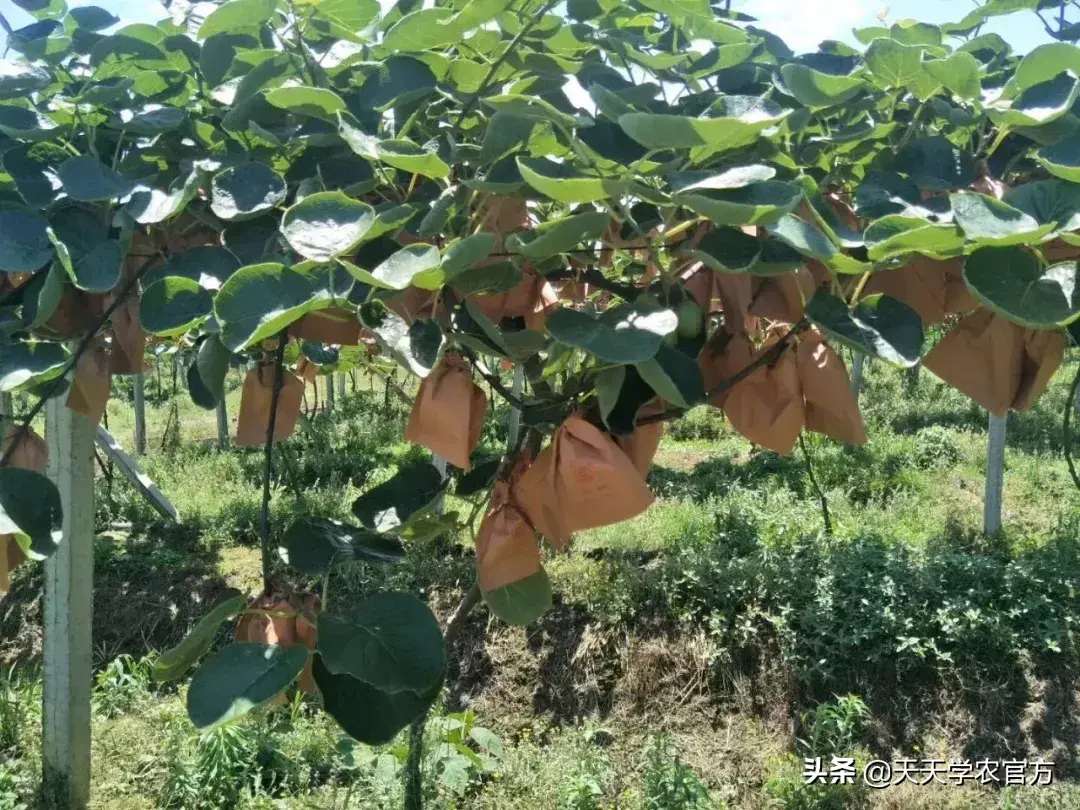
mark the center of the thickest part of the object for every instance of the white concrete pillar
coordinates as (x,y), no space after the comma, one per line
(341,385)
(69,603)
(140,415)
(331,393)
(7,410)
(995,474)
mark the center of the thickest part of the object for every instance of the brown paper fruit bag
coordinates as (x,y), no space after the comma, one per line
(285,630)
(641,445)
(256,400)
(766,407)
(334,327)
(506,546)
(31,454)
(532,299)
(448,414)
(982,357)
(736,294)
(783,297)
(128,349)
(90,389)
(1044,352)
(581,480)
(831,407)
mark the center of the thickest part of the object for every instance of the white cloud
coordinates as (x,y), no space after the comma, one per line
(803,24)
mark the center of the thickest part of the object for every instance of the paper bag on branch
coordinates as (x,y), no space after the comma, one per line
(532,299)
(334,327)
(256,400)
(782,298)
(284,630)
(412,304)
(448,414)
(714,366)
(74,315)
(1044,351)
(581,480)
(831,406)
(506,547)
(92,384)
(766,407)
(641,445)
(982,357)
(31,454)
(128,349)
(736,294)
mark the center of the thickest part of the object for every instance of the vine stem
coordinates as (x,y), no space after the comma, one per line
(1066,428)
(485,85)
(268,459)
(817,487)
(54,385)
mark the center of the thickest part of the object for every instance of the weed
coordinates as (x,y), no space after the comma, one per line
(669,784)
(123,685)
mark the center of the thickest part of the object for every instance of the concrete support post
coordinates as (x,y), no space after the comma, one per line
(69,603)
(857,373)
(995,474)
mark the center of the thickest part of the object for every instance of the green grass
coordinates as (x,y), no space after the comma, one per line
(722,617)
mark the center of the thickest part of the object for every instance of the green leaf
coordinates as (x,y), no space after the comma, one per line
(744,122)
(26,125)
(93,18)
(423,30)
(737,177)
(558,235)
(935,164)
(409,157)
(19,78)
(1039,104)
(899,66)
(880,326)
(212,364)
(1044,63)
(390,641)
(246,191)
(674,376)
(894,236)
(151,120)
(523,602)
(260,300)
(24,241)
(1061,159)
(415,348)
(316,102)
(461,254)
(363,712)
(87,179)
(342,19)
(490,278)
(758,204)
(630,333)
(326,225)
(150,206)
(816,89)
(959,72)
(209,266)
(99,270)
(314,545)
(22,362)
(1048,201)
(33,168)
(991,222)
(236,16)
(408,266)
(175,662)
(30,510)
(402,499)
(912,32)
(1014,283)
(563,183)
(239,678)
(174,306)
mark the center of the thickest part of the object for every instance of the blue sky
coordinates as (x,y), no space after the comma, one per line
(802,23)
